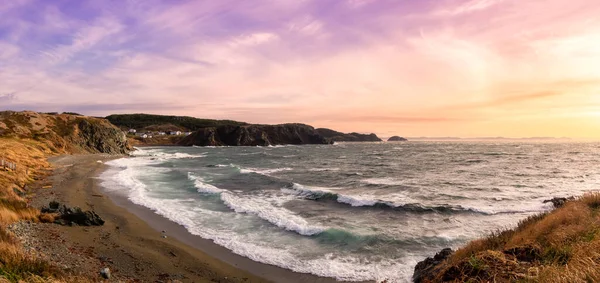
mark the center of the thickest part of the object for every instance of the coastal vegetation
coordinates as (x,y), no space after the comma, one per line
(558,246)
(27,139)
(153,122)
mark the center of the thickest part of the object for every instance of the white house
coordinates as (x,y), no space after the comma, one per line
(132,131)
(175,133)
(144,136)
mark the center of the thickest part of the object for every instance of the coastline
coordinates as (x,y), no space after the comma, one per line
(130,243)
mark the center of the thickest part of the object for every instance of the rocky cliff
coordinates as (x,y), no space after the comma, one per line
(351,137)
(396,138)
(255,135)
(64,133)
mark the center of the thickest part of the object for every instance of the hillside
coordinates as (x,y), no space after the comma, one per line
(166,123)
(27,139)
(351,137)
(253,135)
(560,246)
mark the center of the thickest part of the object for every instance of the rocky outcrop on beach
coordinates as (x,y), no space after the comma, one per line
(428,269)
(558,201)
(255,135)
(64,215)
(351,137)
(65,133)
(396,139)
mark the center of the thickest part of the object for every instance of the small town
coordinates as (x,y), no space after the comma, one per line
(150,134)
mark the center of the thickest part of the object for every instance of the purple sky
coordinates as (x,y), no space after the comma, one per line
(413,68)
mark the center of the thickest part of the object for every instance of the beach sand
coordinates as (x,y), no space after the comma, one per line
(131,241)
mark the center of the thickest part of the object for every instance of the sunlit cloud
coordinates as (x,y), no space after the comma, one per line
(414,68)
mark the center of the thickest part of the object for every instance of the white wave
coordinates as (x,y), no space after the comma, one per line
(323,169)
(265,172)
(382,181)
(264,209)
(158,153)
(202,186)
(122,177)
(392,200)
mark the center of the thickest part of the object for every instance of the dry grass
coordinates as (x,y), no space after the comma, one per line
(560,246)
(30,157)
(28,139)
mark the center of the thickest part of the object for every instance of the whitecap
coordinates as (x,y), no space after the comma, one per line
(202,186)
(276,215)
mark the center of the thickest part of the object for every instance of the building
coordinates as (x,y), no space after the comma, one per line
(132,131)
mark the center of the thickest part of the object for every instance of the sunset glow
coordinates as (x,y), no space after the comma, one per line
(412,68)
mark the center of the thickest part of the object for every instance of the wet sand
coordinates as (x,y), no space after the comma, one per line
(131,242)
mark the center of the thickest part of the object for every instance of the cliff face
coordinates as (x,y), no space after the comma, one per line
(64,133)
(351,137)
(255,135)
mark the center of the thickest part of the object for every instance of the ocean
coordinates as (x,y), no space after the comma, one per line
(352,211)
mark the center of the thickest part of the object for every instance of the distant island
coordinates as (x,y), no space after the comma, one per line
(396,139)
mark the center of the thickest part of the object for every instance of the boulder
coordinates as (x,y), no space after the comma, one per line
(558,202)
(426,270)
(105,273)
(72,216)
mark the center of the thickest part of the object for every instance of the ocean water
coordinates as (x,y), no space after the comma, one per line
(352,211)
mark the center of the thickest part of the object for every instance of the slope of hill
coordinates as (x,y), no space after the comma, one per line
(351,137)
(27,139)
(253,135)
(164,123)
(559,246)
(64,133)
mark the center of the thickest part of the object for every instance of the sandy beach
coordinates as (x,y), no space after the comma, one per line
(131,242)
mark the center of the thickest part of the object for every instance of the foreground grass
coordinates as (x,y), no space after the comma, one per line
(30,156)
(559,246)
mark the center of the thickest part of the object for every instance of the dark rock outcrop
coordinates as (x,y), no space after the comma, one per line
(558,202)
(427,270)
(100,136)
(72,216)
(255,135)
(396,139)
(351,137)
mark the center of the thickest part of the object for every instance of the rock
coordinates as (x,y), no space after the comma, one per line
(351,137)
(426,270)
(255,135)
(73,216)
(396,138)
(105,273)
(558,202)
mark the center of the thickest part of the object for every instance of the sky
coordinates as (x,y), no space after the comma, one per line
(468,68)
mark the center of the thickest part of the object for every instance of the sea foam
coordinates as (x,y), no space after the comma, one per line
(276,215)
(202,186)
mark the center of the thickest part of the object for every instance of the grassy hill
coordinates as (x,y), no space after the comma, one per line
(559,246)
(164,123)
(27,139)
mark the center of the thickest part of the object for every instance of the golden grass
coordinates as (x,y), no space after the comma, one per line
(560,246)
(30,157)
